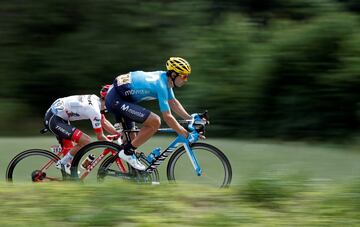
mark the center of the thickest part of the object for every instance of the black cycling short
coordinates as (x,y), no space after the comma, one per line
(60,127)
(124,108)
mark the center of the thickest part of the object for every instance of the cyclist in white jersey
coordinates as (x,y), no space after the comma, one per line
(74,108)
(129,89)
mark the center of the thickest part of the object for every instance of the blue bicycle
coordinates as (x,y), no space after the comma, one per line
(190,162)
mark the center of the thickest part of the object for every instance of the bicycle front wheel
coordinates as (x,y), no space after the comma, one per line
(35,165)
(216,168)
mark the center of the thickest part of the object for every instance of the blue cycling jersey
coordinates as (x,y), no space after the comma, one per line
(148,86)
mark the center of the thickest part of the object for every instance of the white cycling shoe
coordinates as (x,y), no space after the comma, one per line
(65,167)
(132,160)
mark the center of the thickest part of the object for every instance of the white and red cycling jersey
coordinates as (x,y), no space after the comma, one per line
(79,107)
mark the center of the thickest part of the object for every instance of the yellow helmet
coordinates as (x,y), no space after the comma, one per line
(178,65)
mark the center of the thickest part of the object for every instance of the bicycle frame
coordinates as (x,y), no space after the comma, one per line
(98,159)
(179,140)
(63,152)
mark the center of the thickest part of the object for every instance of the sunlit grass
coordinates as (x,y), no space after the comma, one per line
(123,204)
(274,184)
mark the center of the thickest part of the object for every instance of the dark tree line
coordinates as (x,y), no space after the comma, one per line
(277,68)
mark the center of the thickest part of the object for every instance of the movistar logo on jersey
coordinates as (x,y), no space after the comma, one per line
(134,112)
(124,107)
(136,92)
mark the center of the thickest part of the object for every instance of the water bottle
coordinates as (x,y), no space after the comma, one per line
(87,161)
(154,154)
(55,149)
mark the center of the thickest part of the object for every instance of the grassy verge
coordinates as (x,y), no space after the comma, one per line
(261,202)
(274,184)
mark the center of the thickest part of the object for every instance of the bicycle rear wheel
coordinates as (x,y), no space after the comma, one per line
(216,168)
(35,165)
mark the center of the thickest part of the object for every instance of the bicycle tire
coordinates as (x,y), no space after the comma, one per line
(179,169)
(49,156)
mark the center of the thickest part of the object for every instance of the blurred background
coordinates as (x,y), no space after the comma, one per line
(275,75)
(287,69)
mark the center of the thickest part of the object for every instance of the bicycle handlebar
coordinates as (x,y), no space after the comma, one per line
(198,123)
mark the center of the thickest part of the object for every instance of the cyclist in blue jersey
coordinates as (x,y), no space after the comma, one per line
(131,88)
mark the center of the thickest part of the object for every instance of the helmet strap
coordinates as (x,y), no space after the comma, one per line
(173,78)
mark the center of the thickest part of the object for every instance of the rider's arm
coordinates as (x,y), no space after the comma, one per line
(106,125)
(172,123)
(95,116)
(100,134)
(176,106)
(163,97)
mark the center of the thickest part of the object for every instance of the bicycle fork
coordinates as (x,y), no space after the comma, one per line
(192,158)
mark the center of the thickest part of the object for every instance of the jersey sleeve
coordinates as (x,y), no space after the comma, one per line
(165,94)
(96,121)
(95,117)
(171,94)
(163,100)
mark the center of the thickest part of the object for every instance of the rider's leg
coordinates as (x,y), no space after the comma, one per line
(129,124)
(63,130)
(81,139)
(150,126)
(66,143)
(131,112)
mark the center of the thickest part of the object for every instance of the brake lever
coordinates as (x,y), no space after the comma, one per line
(204,116)
(191,124)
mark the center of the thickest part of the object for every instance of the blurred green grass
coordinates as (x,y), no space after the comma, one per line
(124,204)
(274,184)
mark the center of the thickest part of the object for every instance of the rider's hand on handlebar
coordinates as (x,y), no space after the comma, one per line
(193,137)
(200,117)
(197,123)
(113,137)
(195,117)
(201,136)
